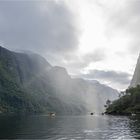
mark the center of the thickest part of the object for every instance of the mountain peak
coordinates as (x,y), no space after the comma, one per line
(136,77)
(58,70)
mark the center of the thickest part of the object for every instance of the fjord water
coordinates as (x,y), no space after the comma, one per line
(69,127)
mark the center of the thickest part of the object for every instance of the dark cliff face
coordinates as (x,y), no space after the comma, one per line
(28,83)
(136,77)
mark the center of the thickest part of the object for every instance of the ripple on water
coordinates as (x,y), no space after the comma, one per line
(69,127)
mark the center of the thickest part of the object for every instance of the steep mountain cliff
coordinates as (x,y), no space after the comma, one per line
(129,102)
(28,83)
(136,77)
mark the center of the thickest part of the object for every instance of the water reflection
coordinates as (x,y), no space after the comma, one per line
(134,125)
(69,127)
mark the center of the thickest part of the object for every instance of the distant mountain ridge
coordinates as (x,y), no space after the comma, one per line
(28,83)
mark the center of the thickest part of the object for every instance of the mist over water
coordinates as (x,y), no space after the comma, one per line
(79,92)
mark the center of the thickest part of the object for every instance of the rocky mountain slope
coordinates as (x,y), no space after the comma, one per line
(28,83)
(136,77)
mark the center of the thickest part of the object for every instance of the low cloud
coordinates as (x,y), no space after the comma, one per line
(109,76)
(75,63)
(95,56)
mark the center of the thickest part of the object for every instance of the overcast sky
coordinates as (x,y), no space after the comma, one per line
(93,39)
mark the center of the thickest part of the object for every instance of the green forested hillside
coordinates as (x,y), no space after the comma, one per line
(127,104)
(28,83)
(13,95)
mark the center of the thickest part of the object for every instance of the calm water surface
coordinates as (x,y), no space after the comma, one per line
(69,127)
